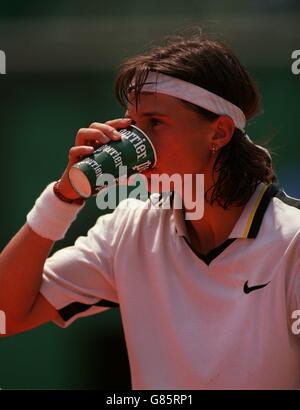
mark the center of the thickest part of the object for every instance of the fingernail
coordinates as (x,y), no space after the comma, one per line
(117,134)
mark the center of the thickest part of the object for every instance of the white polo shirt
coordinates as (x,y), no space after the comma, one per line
(220,321)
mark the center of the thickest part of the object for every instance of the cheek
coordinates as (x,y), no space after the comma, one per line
(186,158)
(181,150)
(196,150)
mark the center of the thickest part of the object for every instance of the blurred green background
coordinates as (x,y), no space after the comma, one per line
(62,57)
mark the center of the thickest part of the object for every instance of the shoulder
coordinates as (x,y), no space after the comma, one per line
(287,207)
(285,213)
(288,200)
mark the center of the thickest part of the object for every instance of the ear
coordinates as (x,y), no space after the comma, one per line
(224,129)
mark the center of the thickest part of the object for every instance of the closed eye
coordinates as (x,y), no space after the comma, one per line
(154,122)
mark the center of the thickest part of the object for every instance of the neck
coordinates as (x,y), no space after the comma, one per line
(214,227)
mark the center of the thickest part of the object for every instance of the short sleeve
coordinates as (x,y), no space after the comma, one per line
(79,280)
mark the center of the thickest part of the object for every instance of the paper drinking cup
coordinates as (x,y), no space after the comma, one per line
(134,150)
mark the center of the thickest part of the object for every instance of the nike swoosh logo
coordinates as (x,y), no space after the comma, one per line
(248,289)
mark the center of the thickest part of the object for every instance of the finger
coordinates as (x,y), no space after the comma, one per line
(90,136)
(119,122)
(109,131)
(78,153)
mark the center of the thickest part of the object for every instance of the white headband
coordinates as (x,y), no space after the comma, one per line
(161,83)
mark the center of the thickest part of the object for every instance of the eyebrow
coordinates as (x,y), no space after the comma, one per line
(151,114)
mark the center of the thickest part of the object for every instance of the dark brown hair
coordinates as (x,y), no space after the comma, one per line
(240,165)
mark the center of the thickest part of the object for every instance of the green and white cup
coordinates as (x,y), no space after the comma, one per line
(134,151)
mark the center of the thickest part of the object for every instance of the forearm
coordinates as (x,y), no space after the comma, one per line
(21,267)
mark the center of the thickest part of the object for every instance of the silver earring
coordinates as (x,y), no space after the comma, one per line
(213,149)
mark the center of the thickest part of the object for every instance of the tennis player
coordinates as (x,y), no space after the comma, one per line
(207,303)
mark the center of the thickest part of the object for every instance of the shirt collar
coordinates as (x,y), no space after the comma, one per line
(249,222)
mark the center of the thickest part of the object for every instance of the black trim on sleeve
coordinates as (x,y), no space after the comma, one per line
(74,308)
(288,199)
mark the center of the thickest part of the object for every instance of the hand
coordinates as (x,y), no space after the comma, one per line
(87,140)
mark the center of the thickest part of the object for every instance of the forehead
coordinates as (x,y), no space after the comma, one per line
(162,103)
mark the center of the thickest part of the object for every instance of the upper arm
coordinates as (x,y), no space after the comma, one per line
(79,280)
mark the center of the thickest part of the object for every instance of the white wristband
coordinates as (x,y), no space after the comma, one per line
(51,217)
